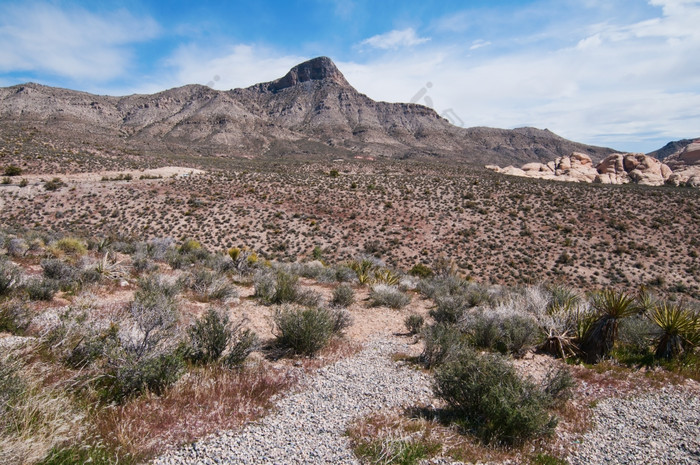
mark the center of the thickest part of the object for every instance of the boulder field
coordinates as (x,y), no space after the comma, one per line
(617,168)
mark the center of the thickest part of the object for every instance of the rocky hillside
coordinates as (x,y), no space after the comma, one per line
(312,110)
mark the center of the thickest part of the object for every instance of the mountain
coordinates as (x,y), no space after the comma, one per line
(679,154)
(311,111)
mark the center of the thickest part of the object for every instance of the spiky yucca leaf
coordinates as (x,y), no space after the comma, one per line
(610,307)
(679,329)
(387,277)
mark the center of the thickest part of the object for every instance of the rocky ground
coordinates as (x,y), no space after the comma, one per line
(309,426)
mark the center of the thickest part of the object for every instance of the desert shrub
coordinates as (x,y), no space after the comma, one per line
(41,289)
(14,316)
(208,337)
(244,342)
(58,270)
(449,308)
(414,323)
(10,276)
(343,296)
(502,328)
(135,375)
(345,274)
(341,320)
(17,247)
(12,170)
(190,245)
(154,311)
(441,342)
(158,248)
(71,246)
(422,271)
(207,285)
(558,385)
(636,333)
(63,274)
(485,393)
(280,286)
(383,295)
(610,307)
(303,330)
(142,263)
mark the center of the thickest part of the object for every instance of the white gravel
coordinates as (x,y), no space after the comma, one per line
(658,428)
(308,427)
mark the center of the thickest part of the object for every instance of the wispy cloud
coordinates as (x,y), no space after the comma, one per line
(70,42)
(479,43)
(240,66)
(393,40)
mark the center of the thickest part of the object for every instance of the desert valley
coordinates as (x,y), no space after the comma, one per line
(293,272)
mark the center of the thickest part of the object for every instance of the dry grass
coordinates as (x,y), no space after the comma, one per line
(204,402)
(41,416)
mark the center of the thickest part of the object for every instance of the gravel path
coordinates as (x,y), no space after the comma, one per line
(658,428)
(308,427)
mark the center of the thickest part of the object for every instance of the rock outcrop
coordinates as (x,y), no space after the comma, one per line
(618,168)
(685,164)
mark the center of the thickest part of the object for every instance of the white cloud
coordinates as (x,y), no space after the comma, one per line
(479,43)
(241,66)
(627,85)
(392,40)
(71,42)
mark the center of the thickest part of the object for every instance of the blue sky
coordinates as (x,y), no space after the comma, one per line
(619,73)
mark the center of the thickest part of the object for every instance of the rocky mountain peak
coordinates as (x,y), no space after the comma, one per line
(317,69)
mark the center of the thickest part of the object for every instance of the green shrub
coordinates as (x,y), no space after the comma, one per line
(422,271)
(441,342)
(71,246)
(190,245)
(14,317)
(383,295)
(64,275)
(41,289)
(244,342)
(133,376)
(449,308)
(503,328)
(343,296)
(208,286)
(414,323)
(12,170)
(485,393)
(281,287)
(302,330)
(6,180)
(208,337)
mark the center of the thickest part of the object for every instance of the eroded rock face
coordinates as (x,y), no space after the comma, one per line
(618,168)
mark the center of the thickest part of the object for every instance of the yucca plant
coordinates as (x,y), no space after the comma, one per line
(384,276)
(679,329)
(363,269)
(610,307)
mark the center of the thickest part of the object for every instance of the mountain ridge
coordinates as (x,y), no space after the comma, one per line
(310,111)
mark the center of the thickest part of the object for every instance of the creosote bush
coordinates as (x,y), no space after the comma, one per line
(280,287)
(304,330)
(383,295)
(414,323)
(343,296)
(487,396)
